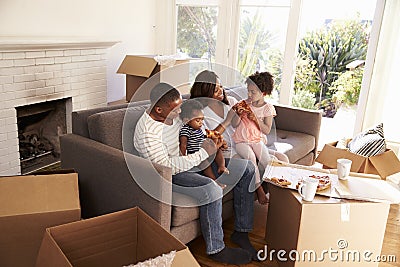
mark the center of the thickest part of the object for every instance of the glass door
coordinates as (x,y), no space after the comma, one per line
(262,36)
(197,26)
(333,43)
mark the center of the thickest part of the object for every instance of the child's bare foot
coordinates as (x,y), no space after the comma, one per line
(261,196)
(223,169)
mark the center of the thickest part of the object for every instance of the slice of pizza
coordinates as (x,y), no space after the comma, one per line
(281,181)
(324,182)
(215,135)
(241,107)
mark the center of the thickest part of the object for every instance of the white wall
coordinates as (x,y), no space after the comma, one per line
(132,22)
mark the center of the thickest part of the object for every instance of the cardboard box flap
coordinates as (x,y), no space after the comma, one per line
(53,253)
(141,66)
(330,154)
(116,239)
(38,193)
(87,238)
(386,163)
(148,231)
(49,172)
(184,258)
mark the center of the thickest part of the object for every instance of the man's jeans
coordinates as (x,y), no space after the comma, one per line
(209,197)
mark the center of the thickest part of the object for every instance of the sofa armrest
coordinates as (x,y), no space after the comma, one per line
(111,180)
(299,120)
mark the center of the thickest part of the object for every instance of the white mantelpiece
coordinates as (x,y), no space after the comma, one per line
(13,45)
(34,71)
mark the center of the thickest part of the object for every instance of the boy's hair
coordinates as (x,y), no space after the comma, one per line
(163,93)
(188,107)
(263,80)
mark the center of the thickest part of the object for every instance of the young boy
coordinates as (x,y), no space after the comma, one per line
(191,136)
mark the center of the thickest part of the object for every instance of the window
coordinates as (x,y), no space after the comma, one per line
(255,42)
(197,31)
(259,35)
(262,36)
(333,45)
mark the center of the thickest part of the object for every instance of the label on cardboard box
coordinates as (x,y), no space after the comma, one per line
(345,212)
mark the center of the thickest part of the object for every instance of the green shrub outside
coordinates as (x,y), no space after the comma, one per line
(328,50)
(303,99)
(347,87)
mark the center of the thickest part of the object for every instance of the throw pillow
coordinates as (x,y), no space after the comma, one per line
(369,143)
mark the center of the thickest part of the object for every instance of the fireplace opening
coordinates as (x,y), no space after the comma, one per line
(39,128)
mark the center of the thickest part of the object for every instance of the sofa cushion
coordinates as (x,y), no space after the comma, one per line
(79,118)
(116,127)
(294,144)
(106,127)
(185,210)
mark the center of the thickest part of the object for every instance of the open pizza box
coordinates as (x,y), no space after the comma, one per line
(358,186)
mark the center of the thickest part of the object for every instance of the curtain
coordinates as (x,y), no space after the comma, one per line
(384,93)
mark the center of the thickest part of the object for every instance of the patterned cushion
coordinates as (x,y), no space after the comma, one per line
(369,143)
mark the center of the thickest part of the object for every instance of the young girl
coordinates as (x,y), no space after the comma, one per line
(252,126)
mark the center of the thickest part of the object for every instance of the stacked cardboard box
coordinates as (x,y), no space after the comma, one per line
(324,232)
(344,226)
(30,204)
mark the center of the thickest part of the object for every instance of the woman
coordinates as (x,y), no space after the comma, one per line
(207,89)
(207,86)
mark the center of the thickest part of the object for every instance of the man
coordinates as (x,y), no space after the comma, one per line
(157,138)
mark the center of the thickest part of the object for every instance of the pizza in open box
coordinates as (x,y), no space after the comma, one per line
(324,182)
(281,181)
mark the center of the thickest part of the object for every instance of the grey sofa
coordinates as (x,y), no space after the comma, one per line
(100,149)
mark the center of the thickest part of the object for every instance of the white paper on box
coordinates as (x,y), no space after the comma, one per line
(345,212)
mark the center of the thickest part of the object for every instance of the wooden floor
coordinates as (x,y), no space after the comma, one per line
(391,243)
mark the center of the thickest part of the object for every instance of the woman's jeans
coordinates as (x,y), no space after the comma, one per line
(209,198)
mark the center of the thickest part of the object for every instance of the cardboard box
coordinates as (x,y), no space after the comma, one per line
(139,69)
(28,205)
(115,239)
(325,224)
(384,164)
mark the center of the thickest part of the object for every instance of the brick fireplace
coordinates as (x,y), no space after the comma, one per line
(39,72)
